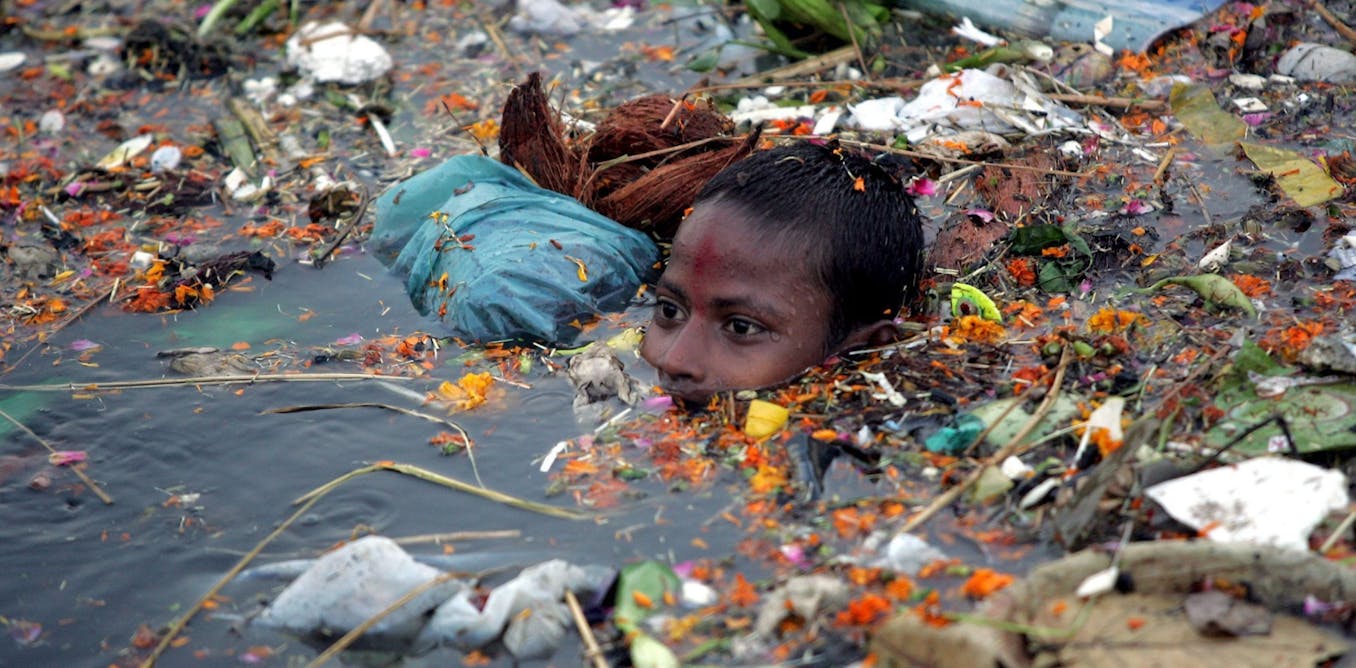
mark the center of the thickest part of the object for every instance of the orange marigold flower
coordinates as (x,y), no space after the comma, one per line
(1111,321)
(768,479)
(1023,271)
(976,329)
(1057,251)
(864,610)
(1290,341)
(900,588)
(985,581)
(1252,286)
(1024,312)
(850,522)
(743,593)
(930,611)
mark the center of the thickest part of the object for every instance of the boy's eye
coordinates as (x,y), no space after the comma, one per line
(666,310)
(743,327)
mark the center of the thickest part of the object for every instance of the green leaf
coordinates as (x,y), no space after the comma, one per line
(769,9)
(1215,290)
(1251,357)
(1033,239)
(646,652)
(1058,276)
(651,579)
(1196,108)
(1301,179)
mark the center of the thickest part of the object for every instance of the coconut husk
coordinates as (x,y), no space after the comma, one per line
(612,170)
(1015,194)
(656,201)
(637,126)
(530,139)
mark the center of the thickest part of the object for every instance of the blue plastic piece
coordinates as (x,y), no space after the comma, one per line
(1135,25)
(952,439)
(520,276)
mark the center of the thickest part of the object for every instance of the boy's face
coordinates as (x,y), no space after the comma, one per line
(735,311)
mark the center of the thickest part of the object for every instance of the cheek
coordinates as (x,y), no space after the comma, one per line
(651,344)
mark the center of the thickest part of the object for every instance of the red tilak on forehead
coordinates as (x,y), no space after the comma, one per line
(704,258)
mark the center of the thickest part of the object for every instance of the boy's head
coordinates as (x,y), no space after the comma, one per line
(788,256)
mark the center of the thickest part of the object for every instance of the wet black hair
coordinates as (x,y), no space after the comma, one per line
(849,211)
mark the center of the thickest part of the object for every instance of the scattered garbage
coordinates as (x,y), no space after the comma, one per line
(1133,26)
(1142,285)
(334,52)
(1152,622)
(495,257)
(362,579)
(1000,100)
(1318,62)
(1262,501)
(352,584)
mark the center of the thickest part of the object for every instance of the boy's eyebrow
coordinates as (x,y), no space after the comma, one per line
(752,304)
(668,285)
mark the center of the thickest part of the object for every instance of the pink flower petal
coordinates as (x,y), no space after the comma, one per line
(350,340)
(421,152)
(81,345)
(982,214)
(66,457)
(921,187)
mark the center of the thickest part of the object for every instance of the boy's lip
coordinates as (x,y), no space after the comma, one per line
(692,396)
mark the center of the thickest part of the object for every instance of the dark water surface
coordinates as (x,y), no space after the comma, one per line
(91,573)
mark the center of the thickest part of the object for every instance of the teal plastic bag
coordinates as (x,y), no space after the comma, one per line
(531,262)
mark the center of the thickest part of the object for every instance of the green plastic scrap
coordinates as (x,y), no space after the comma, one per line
(1217,291)
(970,300)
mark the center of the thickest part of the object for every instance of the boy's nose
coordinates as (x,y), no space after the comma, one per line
(679,356)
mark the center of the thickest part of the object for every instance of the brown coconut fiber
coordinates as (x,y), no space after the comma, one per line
(644,164)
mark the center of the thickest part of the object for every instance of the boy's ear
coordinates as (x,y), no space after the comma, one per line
(870,335)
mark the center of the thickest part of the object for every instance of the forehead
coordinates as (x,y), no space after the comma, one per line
(724,236)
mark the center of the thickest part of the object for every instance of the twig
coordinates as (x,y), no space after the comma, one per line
(1200,199)
(354,221)
(802,68)
(79,313)
(201,380)
(488,25)
(1164,164)
(372,404)
(673,113)
(466,438)
(1342,28)
(84,477)
(852,32)
(1016,401)
(452,536)
(347,639)
(370,15)
(893,84)
(183,620)
(1099,101)
(257,128)
(946,498)
(928,156)
(424,474)
(591,648)
(1337,533)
